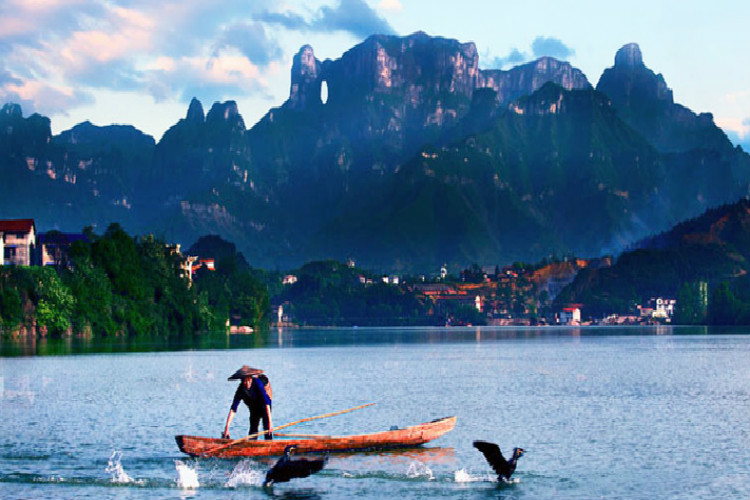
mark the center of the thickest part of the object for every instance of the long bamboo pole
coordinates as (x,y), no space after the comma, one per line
(250,436)
(284,434)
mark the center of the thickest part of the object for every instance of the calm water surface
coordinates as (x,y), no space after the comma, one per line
(603,413)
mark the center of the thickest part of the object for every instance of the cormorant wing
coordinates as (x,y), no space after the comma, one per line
(287,469)
(494,456)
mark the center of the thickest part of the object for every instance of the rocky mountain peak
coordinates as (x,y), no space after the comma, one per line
(124,137)
(195,112)
(629,77)
(12,110)
(629,56)
(530,77)
(418,34)
(305,82)
(305,64)
(224,112)
(645,102)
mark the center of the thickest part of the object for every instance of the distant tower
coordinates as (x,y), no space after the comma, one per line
(280,313)
(443,272)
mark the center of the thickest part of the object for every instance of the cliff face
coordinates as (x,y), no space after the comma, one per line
(305,87)
(87,174)
(413,66)
(528,78)
(415,82)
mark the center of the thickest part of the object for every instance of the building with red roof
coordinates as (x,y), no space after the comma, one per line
(18,241)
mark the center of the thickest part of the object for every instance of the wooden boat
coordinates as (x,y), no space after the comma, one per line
(414,435)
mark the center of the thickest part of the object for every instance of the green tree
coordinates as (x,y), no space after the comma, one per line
(691,307)
(724,308)
(54,302)
(11,307)
(93,292)
(251,302)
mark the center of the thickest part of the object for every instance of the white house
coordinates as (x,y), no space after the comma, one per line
(570,316)
(19,241)
(663,308)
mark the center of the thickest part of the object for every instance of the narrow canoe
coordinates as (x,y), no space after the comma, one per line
(408,436)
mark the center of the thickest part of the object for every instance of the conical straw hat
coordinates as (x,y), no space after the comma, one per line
(245,371)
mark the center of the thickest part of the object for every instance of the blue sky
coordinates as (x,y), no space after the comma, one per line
(140,62)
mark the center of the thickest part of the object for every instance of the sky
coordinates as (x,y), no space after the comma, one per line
(139,62)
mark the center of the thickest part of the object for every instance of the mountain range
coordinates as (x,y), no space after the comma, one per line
(403,155)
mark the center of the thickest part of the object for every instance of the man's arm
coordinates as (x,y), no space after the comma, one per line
(230,417)
(270,422)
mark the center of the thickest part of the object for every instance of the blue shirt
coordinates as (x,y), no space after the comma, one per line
(256,398)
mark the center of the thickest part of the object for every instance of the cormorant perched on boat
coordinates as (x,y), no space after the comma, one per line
(288,468)
(494,456)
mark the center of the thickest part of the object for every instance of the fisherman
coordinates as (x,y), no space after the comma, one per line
(252,390)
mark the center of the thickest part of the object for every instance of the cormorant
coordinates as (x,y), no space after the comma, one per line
(494,456)
(288,468)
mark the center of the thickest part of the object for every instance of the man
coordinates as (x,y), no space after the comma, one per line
(252,391)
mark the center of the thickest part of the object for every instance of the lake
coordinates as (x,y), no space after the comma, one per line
(616,413)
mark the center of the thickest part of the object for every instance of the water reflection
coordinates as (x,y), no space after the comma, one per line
(32,346)
(320,337)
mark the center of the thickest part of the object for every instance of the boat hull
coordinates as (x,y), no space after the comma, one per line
(415,435)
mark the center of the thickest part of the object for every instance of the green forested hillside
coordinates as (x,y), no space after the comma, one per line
(713,250)
(119,285)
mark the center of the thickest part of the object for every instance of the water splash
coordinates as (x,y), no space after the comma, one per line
(418,469)
(187,477)
(461,476)
(114,467)
(245,475)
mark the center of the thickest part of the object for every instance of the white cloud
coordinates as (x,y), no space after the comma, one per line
(224,76)
(48,48)
(731,115)
(391,6)
(162,63)
(252,41)
(38,96)
(740,127)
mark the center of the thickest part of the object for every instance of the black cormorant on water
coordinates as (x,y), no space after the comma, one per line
(494,456)
(288,468)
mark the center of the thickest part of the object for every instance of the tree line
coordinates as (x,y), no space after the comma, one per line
(114,285)
(120,285)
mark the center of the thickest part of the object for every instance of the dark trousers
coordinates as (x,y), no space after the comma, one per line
(255,418)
